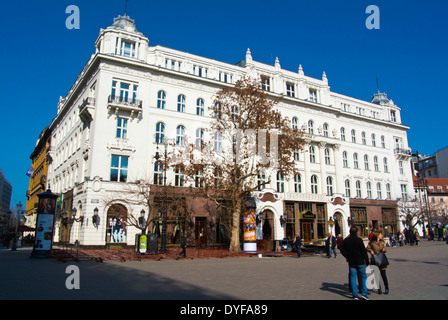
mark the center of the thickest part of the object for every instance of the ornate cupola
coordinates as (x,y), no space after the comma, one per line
(123,39)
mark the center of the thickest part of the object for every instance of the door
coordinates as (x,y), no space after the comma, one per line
(200,237)
(306,231)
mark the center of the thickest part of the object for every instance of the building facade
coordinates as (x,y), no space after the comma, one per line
(5,203)
(130,96)
(38,175)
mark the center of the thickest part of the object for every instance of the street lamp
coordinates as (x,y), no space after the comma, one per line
(14,244)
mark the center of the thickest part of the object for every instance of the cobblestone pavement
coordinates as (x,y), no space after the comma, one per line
(415,273)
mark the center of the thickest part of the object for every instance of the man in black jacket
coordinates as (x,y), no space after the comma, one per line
(354,250)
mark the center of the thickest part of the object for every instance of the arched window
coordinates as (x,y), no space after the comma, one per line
(329,186)
(161,99)
(327,156)
(347,188)
(314,184)
(353,135)
(311,127)
(160,132)
(358,189)
(199,138)
(342,134)
(295,123)
(325,129)
(180,135)
(379,194)
(355,161)
(369,190)
(345,159)
(200,107)
(158,173)
(373,140)
(366,162)
(181,103)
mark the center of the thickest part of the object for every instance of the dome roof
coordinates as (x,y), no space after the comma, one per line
(124,23)
(380,98)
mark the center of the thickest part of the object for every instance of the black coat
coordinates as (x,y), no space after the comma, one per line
(354,250)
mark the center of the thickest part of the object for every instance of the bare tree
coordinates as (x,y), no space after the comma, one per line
(247,144)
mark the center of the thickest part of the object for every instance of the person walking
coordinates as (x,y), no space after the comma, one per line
(355,252)
(297,244)
(375,246)
(330,244)
(417,237)
(339,241)
(183,245)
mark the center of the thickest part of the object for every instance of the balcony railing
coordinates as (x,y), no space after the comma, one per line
(125,101)
(402,151)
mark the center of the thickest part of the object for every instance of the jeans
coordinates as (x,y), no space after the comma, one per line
(354,277)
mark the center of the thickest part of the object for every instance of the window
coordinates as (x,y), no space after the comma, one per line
(178,178)
(161,99)
(261,181)
(199,138)
(181,103)
(280,182)
(217,113)
(400,167)
(200,107)
(344,159)
(366,162)
(347,188)
(127,48)
(265,83)
(199,179)
(378,191)
(234,113)
(314,184)
(327,156)
(159,176)
(297,155)
(325,129)
(388,194)
(375,163)
(354,136)
(386,167)
(373,140)
(355,161)
(119,168)
(217,143)
(383,142)
(369,190)
(180,135)
(298,183)
(126,91)
(290,89)
(122,128)
(311,127)
(160,132)
(342,134)
(225,77)
(312,155)
(358,189)
(200,71)
(329,186)
(393,117)
(313,95)
(294,123)
(404,192)
(363,138)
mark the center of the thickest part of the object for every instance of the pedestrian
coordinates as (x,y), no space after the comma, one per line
(417,237)
(183,245)
(339,241)
(375,246)
(330,244)
(355,252)
(297,244)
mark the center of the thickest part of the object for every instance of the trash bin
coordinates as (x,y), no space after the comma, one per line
(141,243)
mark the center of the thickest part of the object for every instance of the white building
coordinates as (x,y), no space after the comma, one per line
(129,94)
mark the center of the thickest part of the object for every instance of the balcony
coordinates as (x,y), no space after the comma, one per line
(86,110)
(402,154)
(116,104)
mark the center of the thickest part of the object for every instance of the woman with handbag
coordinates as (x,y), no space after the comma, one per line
(375,247)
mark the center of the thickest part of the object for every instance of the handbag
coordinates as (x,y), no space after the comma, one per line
(380,260)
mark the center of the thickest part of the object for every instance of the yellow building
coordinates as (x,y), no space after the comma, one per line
(38,175)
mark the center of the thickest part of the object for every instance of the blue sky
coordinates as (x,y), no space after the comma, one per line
(41,58)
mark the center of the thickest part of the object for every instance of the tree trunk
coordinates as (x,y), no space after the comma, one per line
(235,239)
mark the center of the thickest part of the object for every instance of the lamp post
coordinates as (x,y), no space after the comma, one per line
(14,244)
